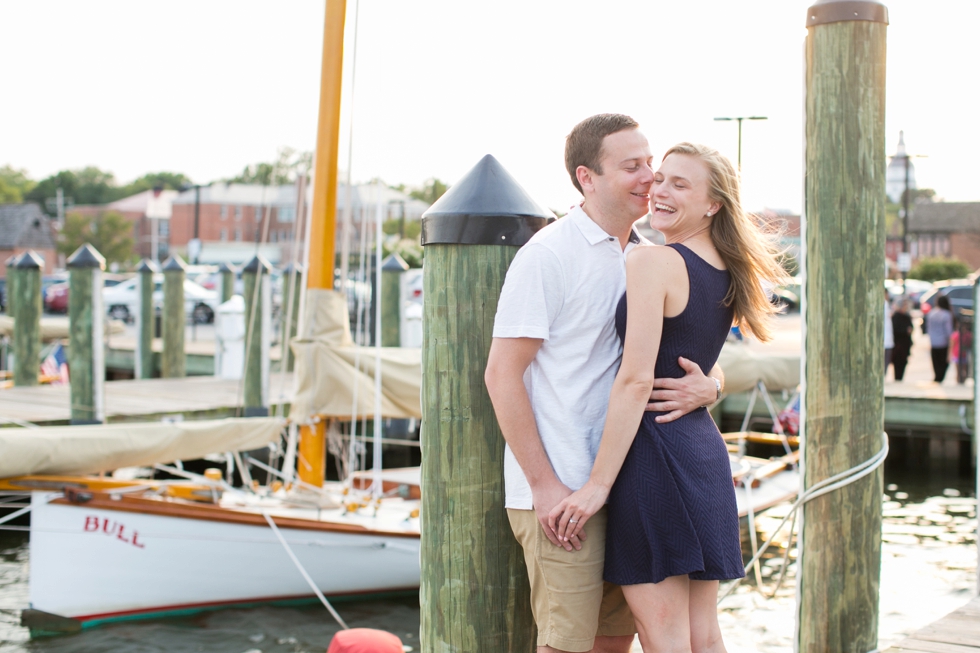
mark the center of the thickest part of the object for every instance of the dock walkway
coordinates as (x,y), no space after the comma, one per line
(957,632)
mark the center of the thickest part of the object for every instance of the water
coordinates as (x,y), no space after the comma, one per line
(929,560)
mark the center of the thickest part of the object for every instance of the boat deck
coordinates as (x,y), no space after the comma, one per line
(192,397)
(957,632)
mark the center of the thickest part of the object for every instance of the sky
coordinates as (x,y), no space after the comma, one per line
(207,87)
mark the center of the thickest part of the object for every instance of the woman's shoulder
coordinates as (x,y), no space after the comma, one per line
(654,255)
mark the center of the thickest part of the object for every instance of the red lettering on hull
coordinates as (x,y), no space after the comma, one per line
(94,524)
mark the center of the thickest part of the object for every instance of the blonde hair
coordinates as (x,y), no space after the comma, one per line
(750,253)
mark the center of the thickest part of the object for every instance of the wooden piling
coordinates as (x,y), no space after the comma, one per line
(392,269)
(86,348)
(12,276)
(145,320)
(475,595)
(227,281)
(255,276)
(292,291)
(174,361)
(27,325)
(843,394)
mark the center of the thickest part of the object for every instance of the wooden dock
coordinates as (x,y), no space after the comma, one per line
(192,397)
(957,632)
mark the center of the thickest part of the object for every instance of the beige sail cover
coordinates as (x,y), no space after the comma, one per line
(104,447)
(743,368)
(330,368)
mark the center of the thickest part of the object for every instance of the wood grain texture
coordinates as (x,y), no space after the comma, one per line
(288,358)
(174,359)
(80,342)
(27,329)
(146,325)
(475,595)
(844,398)
(957,632)
(390,305)
(253,341)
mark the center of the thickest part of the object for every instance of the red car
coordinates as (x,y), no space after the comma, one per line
(56,298)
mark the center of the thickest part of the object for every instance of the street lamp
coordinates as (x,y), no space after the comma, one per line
(904,157)
(740,119)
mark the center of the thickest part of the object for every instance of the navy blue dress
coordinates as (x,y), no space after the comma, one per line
(672,508)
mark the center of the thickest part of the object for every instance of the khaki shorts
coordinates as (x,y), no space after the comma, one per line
(570,601)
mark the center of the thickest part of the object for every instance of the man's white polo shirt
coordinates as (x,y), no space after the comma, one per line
(563,287)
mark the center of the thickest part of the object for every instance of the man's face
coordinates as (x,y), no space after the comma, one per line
(622,190)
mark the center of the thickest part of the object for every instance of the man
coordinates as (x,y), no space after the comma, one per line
(554,357)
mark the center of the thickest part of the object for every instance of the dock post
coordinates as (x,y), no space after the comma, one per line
(292,291)
(86,344)
(843,384)
(27,319)
(227,281)
(174,360)
(145,320)
(392,269)
(258,300)
(12,276)
(474,593)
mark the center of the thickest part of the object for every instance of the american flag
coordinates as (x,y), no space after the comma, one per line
(55,366)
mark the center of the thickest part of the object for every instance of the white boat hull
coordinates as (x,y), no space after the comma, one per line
(94,564)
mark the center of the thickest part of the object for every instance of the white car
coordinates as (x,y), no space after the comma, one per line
(122,300)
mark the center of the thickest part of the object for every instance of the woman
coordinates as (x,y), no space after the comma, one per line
(940,327)
(902,330)
(673,526)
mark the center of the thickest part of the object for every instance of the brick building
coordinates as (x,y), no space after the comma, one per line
(24,227)
(946,229)
(149,212)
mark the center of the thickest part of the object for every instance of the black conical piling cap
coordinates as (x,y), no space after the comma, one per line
(394,263)
(293,267)
(148,265)
(174,264)
(224,267)
(86,256)
(839,11)
(486,207)
(257,264)
(12,261)
(29,260)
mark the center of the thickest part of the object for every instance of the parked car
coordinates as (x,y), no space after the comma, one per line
(3,295)
(958,291)
(913,289)
(122,300)
(56,295)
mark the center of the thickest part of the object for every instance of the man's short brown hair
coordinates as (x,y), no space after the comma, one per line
(583,146)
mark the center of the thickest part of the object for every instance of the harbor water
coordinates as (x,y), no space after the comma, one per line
(929,560)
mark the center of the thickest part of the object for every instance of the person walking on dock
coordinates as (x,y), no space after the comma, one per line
(902,331)
(673,530)
(551,366)
(939,322)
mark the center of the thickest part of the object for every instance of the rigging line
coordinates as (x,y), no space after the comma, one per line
(376,298)
(306,576)
(358,336)
(348,209)
(291,299)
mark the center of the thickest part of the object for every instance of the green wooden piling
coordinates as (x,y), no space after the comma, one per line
(86,353)
(145,320)
(474,592)
(292,284)
(844,382)
(255,276)
(392,269)
(27,319)
(174,359)
(227,281)
(12,277)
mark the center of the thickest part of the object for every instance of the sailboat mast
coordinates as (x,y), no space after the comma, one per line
(323,227)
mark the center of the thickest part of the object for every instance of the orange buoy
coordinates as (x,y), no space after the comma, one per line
(365,640)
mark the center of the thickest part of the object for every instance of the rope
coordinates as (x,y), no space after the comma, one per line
(306,576)
(825,486)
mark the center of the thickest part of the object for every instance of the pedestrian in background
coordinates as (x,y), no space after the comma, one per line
(940,327)
(889,333)
(902,333)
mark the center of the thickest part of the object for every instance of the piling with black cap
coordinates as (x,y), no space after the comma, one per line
(475,595)
(86,349)
(11,290)
(292,291)
(392,269)
(843,392)
(27,305)
(227,281)
(258,300)
(145,319)
(174,359)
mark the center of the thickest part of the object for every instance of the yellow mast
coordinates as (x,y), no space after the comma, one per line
(323,225)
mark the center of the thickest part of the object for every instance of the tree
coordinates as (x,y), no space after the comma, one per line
(14,184)
(430,191)
(108,232)
(88,185)
(937,267)
(164,180)
(289,165)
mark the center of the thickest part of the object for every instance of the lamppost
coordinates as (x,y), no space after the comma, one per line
(740,119)
(905,157)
